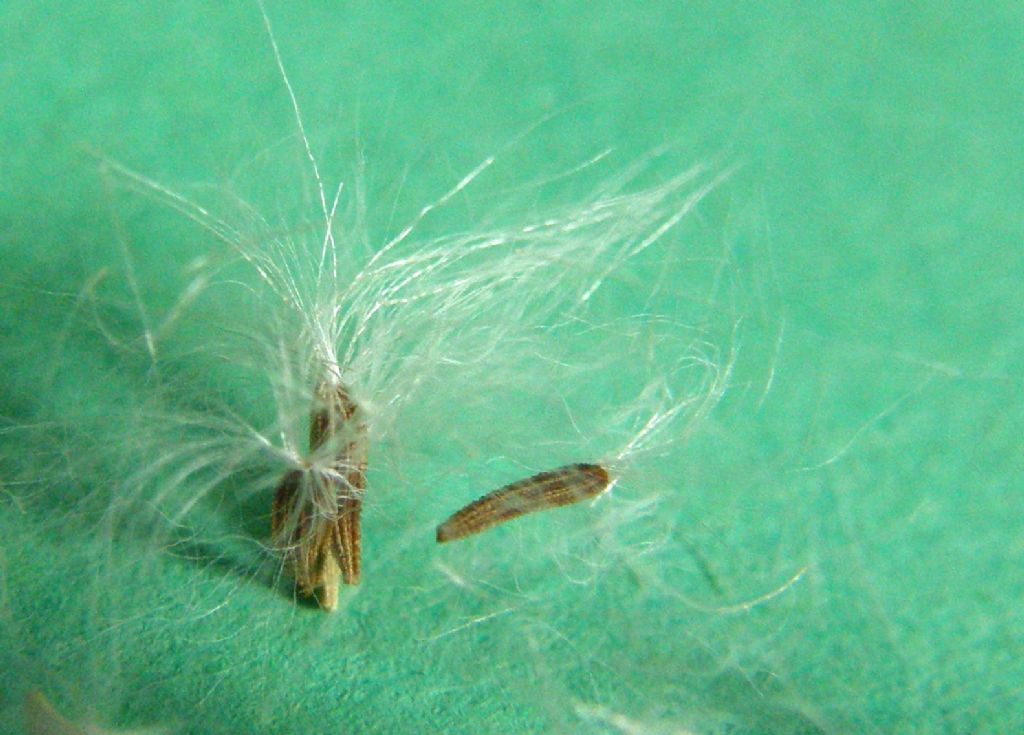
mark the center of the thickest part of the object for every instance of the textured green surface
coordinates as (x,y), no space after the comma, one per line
(871,240)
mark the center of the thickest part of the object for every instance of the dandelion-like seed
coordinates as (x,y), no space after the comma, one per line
(315,520)
(360,339)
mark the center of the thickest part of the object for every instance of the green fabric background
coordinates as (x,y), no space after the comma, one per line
(876,230)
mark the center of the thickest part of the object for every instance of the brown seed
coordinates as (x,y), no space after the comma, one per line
(316,512)
(552,489)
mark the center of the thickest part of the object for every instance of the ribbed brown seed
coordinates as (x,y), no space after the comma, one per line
(321,540)
(552,489)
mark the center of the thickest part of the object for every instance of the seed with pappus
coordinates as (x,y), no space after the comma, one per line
(315,518)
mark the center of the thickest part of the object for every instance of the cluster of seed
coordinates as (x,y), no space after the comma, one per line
(316,514)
